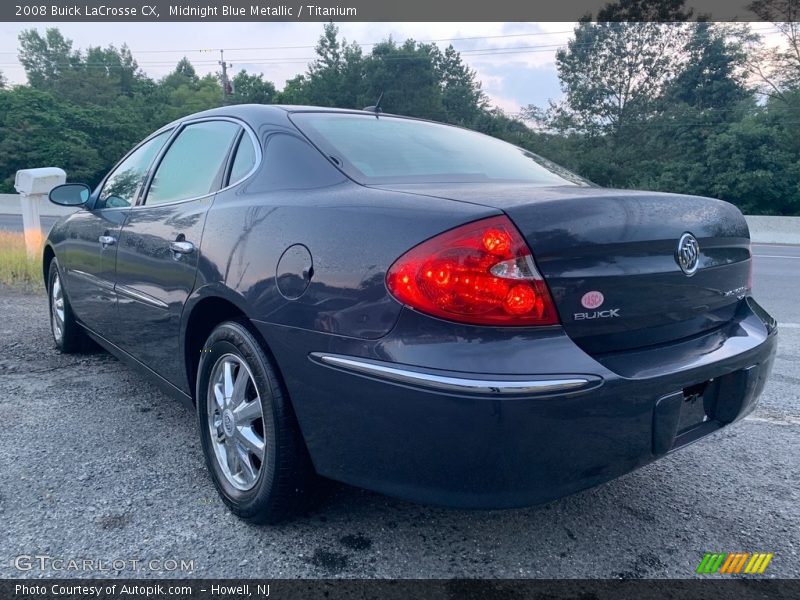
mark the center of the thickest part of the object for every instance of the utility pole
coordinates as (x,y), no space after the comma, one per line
(226,86)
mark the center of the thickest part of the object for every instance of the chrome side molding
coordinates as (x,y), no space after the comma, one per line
(444,383)
(133,294)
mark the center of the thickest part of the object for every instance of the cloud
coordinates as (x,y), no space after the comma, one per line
(282,50)
(515,61)
(521,83)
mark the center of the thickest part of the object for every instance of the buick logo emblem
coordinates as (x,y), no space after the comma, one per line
(228,423)
(688,254)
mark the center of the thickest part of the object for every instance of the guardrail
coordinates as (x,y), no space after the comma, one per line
(10,205)
(763,230)
(774,230)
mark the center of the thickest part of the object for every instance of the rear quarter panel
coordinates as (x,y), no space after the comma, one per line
(352,233)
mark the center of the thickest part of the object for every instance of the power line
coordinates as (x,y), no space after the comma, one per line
(489,51)
(769,29)
(295,59)
(455,39)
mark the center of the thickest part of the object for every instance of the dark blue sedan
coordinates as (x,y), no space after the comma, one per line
(406,306)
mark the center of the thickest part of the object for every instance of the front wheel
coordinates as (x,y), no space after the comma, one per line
(252,444)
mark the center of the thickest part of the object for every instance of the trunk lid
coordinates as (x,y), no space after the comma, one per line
(623,244)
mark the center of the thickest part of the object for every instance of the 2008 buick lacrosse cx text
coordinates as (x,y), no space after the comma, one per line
(75,10)
(406,306)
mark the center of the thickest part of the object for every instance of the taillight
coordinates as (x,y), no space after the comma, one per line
(480,273)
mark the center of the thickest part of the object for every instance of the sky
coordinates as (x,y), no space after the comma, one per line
(523,74)
(514,61)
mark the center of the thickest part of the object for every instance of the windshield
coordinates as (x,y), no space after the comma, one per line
(388,149)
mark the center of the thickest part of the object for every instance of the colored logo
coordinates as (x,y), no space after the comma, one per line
(592,299)
(753,563)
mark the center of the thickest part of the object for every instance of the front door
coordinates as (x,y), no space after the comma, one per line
(92,250)
(159,245)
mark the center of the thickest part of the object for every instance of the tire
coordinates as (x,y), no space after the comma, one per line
(68,336)
(241,408)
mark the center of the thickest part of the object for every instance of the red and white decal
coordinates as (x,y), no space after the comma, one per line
(592,299)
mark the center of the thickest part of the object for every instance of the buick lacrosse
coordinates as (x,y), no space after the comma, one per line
(408,307)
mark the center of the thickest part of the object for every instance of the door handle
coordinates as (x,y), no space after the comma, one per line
(107,240)
(182,247)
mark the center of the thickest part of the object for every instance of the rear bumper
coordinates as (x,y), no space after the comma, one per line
(409,415)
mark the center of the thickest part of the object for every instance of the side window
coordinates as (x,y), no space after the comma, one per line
(122,186)
(244,160)
(294,164)
(194,163)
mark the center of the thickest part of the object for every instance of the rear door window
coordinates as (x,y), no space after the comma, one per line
(194,164)
(244,159)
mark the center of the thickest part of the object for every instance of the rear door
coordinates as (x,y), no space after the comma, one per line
(90,253)
(159,244)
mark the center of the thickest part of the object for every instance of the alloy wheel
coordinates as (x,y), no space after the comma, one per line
(236,421)
(57,308)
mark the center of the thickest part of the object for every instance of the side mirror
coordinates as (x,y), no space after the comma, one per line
(70,194)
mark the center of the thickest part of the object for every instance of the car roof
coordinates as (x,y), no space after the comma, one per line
(255,114)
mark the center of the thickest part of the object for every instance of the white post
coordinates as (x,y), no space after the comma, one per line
(33,186)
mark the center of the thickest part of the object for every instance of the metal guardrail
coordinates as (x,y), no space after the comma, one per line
(763,230)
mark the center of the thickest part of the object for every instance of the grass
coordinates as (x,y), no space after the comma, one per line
(16,269)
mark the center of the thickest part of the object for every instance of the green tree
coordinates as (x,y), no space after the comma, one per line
(701,104)
(463,99)
(632,11)
(407,77)
(182,92)
(713,76)
(650,105)
(252,89)
(46,58)
(750,169)
(612,72)
(415,79)
(183,74)
(779,67)
(37,130)
(97,76)
(294,92)
(336,77)
(100,76)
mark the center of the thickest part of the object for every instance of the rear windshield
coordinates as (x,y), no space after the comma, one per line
(385,149)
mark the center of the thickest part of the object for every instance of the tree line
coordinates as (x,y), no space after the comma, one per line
(689,106)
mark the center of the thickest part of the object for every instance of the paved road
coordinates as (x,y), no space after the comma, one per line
(96,463)
(777,280)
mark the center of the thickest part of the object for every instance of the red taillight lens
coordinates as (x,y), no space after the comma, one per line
(480,273)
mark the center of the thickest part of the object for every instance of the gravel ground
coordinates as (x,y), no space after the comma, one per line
(98,464)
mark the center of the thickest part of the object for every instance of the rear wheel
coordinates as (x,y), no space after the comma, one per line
(67,334)
(252,444)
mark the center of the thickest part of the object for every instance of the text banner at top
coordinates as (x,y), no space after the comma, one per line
(361,10)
